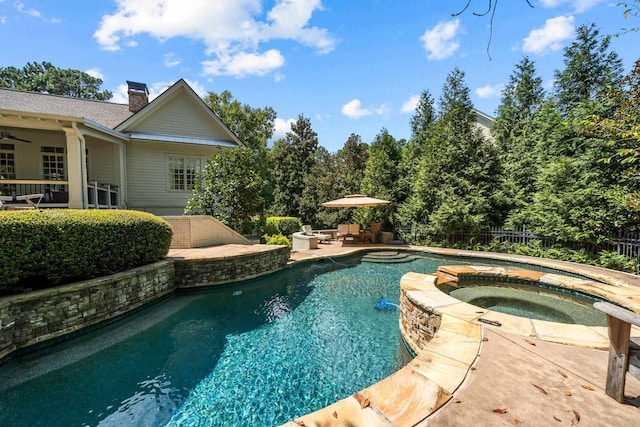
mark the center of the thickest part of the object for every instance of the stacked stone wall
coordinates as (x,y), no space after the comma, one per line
(216,271)
(418,324)
(39,316)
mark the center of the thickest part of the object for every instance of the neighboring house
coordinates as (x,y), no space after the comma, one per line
(484,123)
(90,154)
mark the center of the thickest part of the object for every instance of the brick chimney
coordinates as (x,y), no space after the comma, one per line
(138,96)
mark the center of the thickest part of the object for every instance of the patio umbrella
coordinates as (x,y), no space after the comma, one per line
(355,201)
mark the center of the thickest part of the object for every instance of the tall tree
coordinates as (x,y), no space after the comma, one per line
(522,98)
(46,78)
(254,126)
(352,161)
(381,178)
(575,190)
(230,189)
(590,67)
(291,160)
(457,174)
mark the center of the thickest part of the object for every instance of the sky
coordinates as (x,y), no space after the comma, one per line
(349,66)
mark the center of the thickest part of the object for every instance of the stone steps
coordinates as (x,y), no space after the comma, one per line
(388,257)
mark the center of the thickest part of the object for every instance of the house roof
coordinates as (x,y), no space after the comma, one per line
(105,113)
(115,118)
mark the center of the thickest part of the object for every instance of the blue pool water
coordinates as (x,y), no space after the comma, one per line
(256,354)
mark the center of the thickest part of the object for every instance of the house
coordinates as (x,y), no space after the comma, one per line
(90,154)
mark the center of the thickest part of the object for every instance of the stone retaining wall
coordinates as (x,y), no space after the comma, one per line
(192,273)
(29,319)
(39,316)
(418,323)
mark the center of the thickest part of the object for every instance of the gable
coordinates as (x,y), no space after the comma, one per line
(179,115)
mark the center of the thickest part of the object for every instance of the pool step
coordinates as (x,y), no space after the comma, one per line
(388,257)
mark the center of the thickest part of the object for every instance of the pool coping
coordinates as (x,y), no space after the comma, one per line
(442,363)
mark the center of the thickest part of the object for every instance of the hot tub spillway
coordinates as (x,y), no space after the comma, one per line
(388,257)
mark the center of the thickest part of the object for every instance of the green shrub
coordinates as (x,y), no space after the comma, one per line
(277,239)
(52,247)
(285,225)
(614,261)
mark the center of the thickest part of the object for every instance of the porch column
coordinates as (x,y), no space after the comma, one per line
(76,159)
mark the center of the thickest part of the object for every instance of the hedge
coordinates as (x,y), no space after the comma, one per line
(55,246)
(285,225)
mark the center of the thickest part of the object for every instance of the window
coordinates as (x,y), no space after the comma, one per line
(7,161)
(53,160)
(183,172)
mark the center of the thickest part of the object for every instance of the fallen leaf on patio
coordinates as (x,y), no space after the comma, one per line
(500,410)
(473,368)
(540,388)
(515,420)
(485,339)
(577,414)
(562,373)
(588,387)
(530,342)
(363,401)
(566,393)
(300,422)
(456,400)
(557,419)
(335,415)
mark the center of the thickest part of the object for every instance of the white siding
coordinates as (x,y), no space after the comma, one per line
(147,176)
(181,117)
(102,162)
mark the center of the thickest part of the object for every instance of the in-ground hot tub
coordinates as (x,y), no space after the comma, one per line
(528,299)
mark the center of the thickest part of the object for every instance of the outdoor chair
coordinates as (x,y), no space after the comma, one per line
(351,231)
(322,238)
(372,233)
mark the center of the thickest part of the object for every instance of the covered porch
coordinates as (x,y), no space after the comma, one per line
(71,162)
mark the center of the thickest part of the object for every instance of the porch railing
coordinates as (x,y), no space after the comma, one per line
(56,192)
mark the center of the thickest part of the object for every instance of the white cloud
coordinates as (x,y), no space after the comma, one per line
(410,105)
(171,59)
(281,127)
(20,7)
(354,110)
(278,77)
(489,91)
(243,64)
(382,110)
(31,12)
(578,5)
(3,19)
(440,42)
(550,37)
(230,30)
(96,73)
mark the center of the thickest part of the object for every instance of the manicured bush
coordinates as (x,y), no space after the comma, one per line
(277,239)
(51,247)
(286,225)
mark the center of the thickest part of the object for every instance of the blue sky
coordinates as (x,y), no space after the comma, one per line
(350,66)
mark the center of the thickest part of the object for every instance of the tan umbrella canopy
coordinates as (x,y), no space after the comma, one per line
(355,201)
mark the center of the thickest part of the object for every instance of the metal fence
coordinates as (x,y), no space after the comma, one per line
(627,244)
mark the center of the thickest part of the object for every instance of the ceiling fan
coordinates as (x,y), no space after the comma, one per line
(5,134)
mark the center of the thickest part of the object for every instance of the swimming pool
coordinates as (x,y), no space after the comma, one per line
(258,353)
